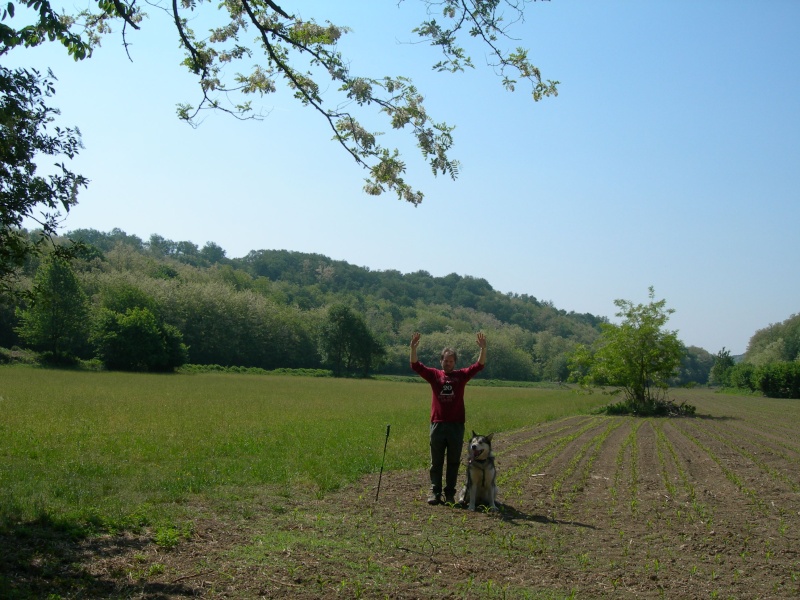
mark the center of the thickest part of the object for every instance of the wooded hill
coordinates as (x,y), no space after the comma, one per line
(268,309)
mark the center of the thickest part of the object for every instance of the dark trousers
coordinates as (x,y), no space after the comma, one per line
(446,439)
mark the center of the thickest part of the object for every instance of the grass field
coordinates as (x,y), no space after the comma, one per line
(119,449)
(237,486)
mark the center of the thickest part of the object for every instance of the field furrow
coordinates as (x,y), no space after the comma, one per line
(149,497)
(774,454)
(541,459)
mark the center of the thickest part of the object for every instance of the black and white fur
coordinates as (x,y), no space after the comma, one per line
(481,488)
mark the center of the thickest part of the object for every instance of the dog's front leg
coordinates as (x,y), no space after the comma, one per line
(492,496)
(473,495)
(493,491)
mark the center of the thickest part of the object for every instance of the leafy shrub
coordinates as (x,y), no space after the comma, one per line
(93,364)
(303,372)
(192,368)
(255,370)
(741,376)
(136,341)
(660,408)
(17,355)
(56,359)
(778,380)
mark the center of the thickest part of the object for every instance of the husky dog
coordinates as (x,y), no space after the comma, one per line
(481,473)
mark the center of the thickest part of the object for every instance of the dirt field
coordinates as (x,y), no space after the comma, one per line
(592,507)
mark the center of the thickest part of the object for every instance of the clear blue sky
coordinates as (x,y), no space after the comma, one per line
(670,158)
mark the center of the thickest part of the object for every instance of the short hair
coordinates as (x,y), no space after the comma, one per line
(447,351)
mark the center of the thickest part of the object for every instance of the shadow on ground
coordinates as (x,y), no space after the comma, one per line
(511,515)
(44,559)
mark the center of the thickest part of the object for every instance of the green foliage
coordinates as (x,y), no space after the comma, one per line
(238,328)
(778,379)
(720,371)
(48,26)
(308,280)
(774,380)
(105,242)
(303,56)
(29,137)
(695,367)
(126,449)
(57,319)
(18,356)
(265,311)
(638,355)
(740,376)
(135,341)
(120,295)
(659,408)
(346,343)
(513,361)
(254,371)
(551,354)
(9,322)
(778,342)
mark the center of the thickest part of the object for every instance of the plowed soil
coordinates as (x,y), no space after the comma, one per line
(591,507)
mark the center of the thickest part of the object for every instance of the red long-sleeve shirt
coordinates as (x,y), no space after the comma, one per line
(447,398)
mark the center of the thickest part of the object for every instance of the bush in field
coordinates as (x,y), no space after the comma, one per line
(778,380)
(637,356)
(740,376)
(660,408)
(17,355)
(136,341)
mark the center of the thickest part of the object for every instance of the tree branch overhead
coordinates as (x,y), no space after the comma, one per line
(303,55)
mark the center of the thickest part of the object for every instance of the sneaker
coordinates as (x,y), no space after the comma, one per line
(434,499)
(450,499)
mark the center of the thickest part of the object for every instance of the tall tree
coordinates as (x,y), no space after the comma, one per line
(334,335)
(302,55)
(723,363)
(26,136)
(212,253)
(365,351)
(56,320)
(638,356)
(347,344)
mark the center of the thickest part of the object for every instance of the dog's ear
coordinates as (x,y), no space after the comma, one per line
(489,437)
(474,434)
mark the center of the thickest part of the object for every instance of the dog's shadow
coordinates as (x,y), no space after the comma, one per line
(511,515)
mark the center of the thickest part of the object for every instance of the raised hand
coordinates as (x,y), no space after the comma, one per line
(481,340)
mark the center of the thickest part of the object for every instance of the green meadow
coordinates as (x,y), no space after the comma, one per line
(121,450)
(217,485)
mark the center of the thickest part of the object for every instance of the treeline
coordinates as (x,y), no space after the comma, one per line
(279,309)
(770,366)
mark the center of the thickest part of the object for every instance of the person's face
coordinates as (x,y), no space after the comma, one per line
(448,363)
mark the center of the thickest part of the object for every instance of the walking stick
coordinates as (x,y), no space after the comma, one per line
(384,460)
